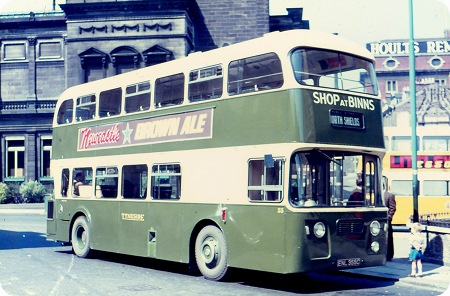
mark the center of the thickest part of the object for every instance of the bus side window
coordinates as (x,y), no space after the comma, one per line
(65,177)
(110,102)
(82,182)
(265,181)
(106,182)
(65,112)
(166,181)
(253,74)
(137,97)
(205,84)
(169,91)
(134,181)
(85,109)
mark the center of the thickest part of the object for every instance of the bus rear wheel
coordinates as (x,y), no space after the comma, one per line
(211,253)
(81,237)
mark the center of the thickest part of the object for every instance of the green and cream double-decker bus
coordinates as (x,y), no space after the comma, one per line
(243,156)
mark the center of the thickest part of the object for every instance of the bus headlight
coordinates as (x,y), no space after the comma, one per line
(375,246)
(319,229)
(375,228)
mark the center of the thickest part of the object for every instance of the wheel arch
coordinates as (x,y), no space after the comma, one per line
(78,213)
(195,231)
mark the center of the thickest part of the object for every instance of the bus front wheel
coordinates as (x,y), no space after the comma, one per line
(211,253)
(81,237)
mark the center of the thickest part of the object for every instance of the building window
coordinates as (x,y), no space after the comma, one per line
(46,154)
(391,86)
(166,181)
(49,50)
(14,51)
(265,179)
(391,64)
(436,62)
(15,157)
(441,82)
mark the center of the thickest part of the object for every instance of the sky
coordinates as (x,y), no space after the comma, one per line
(362,21)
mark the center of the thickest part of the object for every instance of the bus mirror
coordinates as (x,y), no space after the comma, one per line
(268,161)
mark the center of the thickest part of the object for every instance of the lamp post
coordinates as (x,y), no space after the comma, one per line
(412,101)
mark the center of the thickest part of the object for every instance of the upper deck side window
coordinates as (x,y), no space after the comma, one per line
(85,108)
(65,112)
(255,73)
(137,97)
(205,84)
(110,102)
(169,90)
(322,68)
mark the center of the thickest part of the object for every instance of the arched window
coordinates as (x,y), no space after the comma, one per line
(125,59)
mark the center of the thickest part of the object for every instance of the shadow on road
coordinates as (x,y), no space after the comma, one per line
(10,240)
(309,283)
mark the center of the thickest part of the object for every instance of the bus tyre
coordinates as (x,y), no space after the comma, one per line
(81,237)
(211,253)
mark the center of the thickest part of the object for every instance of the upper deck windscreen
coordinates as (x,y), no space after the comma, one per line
(336,70)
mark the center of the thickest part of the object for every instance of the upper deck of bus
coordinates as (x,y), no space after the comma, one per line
(283,117)
(281,43)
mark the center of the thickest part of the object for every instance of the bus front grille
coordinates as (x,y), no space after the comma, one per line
(350,226)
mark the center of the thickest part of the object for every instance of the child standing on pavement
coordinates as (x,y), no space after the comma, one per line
(415,255)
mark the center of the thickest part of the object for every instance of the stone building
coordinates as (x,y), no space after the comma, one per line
(44,53)
(432,68)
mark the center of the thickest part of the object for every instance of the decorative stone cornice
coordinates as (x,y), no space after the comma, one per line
(92,29)
(155,27)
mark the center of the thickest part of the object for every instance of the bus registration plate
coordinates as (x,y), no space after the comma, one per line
(352,262)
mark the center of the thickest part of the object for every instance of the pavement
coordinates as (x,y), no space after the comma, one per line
(436,277)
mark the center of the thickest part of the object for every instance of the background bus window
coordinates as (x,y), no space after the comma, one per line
(265,181)
(135,179)
(436,188)
(205,84)
(106,182)
(401,187)
(169,91)
(65,112)
(255,74)
(166,181)
(85,108)
(82,182)
(110,102)
(137,97)
(402,143)
(435,143)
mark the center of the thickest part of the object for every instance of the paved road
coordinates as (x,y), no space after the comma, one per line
(30,265)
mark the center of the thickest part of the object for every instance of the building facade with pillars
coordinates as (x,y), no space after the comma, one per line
(44,53)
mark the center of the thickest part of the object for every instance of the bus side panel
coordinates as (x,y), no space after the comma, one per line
(427,205)
(256,237)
